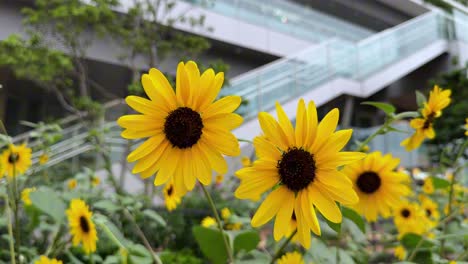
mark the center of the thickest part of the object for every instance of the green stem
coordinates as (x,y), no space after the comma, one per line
(245,140)
(10,230)
(55,239)
(371,137)
(279,252)
(450,196)
(143,237)
(15,212)
(218,220)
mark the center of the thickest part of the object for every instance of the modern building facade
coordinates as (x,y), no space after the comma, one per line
(335,52)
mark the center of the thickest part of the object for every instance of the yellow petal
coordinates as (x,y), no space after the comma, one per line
(227,121)
(194,79)
(211,92)
(217,162)
(283,217)
(285,124)
(325,205)
(269,207)
(303,230)
(145,106)
(221,140)
(224,105)
(169,164)
(312,124)
(301,123)
(265,150)
(308,211)
(325,129)
(164,87)
(183,89)
(272,131)
(147,147)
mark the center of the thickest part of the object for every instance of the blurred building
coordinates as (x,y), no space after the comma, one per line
(335,52)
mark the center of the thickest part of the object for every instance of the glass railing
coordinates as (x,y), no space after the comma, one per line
(291,76)
(287,17)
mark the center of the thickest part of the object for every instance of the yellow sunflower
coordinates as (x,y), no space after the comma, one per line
(225,213)
(72,184)
(43,159)
(46,260)
(25,195)
(234,226)
(400,252)
(95,181)
(291,258)
(430,209)
(82,227)
(208,222)
(466,127)
(219,179)
(188,131)
(171,198)
(438,100)
(428,186)
(409,218)
(15,160)
(246,162)
(377,184)
(301,164)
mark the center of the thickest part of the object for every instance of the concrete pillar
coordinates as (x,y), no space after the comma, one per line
(347,115)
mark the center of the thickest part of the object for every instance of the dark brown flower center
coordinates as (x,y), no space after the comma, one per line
(296,168)
(84,225)
(183,127)
(368,182)
(13,157)
(428,121)
(428,212)
(405,213)
(170,190)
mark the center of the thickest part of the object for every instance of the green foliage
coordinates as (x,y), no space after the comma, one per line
(246,241)
(387,108)
(183,257)
(48,202)
(211,244)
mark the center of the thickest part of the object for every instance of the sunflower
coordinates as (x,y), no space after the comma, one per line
(246,162)
(188,131)
(72,184)
(377,184)
(208,222)
(219,179)
(234,226)
(25,195)
(438,100)
(400,252)
(301,164)
(46,260)
(43,159)
(81,225)
(428,186)
(225,213)
(95,181)
(15,160)
(171,199)
(466,127)
(291,258)
(409,218)
(430,209)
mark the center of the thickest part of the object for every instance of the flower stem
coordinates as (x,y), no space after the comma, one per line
(15,213)
(283,246)
(10,230)
(245,140)
(218,220)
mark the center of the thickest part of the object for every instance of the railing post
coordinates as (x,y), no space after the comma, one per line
(259,94)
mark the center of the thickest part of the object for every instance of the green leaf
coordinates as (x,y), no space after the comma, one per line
(420,99)
(247,241)
(387,108)
(211,244)
(423,257)
(107,206)
(335,226)
(355,217)
(47,201)
(155,216)
(410,241)
(439,183)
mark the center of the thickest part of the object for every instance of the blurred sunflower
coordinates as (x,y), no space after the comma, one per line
(43,159)
(208,222)
(15,160)
(301,164)
(428,186)
(188,130)
(430,210)
(438,100)
(246,162)
(72,184)
(225,213)
(171,199)
(409,218)
(291,258)
(46,260)
(81,225)
(466,127)
(234,226)
(377,184)
(400,252)
(25,195)
(219,179)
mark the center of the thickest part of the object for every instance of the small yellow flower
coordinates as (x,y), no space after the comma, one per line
(225,213)
(81,225)
(400,252)
(410,218)
(428,187)
(95,181)
(25,195)
(171,198)
(43,159)
(72,184)
(452,262)
(15,160)
(246,162)
(46,260)
(466,127)
(234,226)
(219,179)
(291,258)
(208,222)
(365,148)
